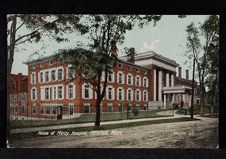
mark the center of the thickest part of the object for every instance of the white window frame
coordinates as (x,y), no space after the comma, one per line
(145,91)
(33,88)
(112,93)
(73,90)
(33,77)
(123,80)
(122,94)
(137,90)
(129,74)
(138,76)
(131,95)
(146,82)
(112,76)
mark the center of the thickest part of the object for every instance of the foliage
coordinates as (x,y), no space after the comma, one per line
(175,105)
(135,111)
(93,64)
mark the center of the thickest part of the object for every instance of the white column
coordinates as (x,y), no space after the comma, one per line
(173,98)
(160,85)
(167,79)
(154,84)
(183,98)
(172,80)
(164,101)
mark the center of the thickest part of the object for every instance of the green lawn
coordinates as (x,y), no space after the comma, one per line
(195,111)
(22,136)
(83,119)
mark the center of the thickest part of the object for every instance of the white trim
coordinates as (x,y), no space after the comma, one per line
(123,77)
(127,94)
(113,92)
(127,78)
(122,95)
(137,76)
(160,86)
(154,84)
(146,81)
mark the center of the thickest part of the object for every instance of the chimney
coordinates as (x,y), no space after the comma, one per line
(131,55)
(179,72)
(187,74)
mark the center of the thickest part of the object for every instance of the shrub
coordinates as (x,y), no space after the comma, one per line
(135,112)
(175,105)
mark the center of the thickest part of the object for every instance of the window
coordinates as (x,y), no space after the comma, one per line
(50,93)
(60,95)
(15,97)
(138,106)
(71,111)
(70,73)
(145,82)
(120,78)
(23,97)
(137,95)
(53,75)
(42,65)
(86,91)
(145,96)
(120,65)
(109,108)
(23,108)
(41,77)
(109,93)
(48,110)
(60,74)
(47,76)
(50,62)
(70,91)
(137,70)
(34,108)
(129,68)
(120,94)
(110,76)
(86,109)
(129,79)
(54,109)
(33,66)
(33,94)
(16,108)
(129,95)
(33,78)
(42,109)
(54,93)
(137,81)
(47,93)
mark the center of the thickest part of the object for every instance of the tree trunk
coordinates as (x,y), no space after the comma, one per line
(193,87)
(97,121)
(10,55)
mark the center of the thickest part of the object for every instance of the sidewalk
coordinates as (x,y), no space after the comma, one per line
(66,126)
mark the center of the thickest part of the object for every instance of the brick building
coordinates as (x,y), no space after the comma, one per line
(144,81)
(18,95)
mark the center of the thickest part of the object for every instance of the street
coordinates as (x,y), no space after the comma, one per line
(190,134)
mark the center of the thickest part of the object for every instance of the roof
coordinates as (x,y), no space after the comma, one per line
(151,54)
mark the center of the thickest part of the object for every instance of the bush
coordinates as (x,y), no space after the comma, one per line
(175,105)
(182,111)
(135,112)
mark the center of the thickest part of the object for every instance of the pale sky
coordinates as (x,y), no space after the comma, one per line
(167,38)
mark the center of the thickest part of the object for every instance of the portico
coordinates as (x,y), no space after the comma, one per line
(177,94)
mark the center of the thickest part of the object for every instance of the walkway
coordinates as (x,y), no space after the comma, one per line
(66,126)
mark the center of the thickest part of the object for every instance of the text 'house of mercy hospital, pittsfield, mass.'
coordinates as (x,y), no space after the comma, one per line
(145,81)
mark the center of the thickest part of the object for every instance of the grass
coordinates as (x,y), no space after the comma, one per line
(23,136)
(84,119)
(195,111)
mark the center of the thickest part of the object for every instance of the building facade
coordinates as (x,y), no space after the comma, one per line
(146,81)
(18,95)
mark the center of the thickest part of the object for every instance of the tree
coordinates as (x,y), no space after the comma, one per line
(193,48)
(207,57)
(211,32)
(37,26)
(97,61)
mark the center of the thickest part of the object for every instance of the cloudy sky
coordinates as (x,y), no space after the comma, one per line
(167,38)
